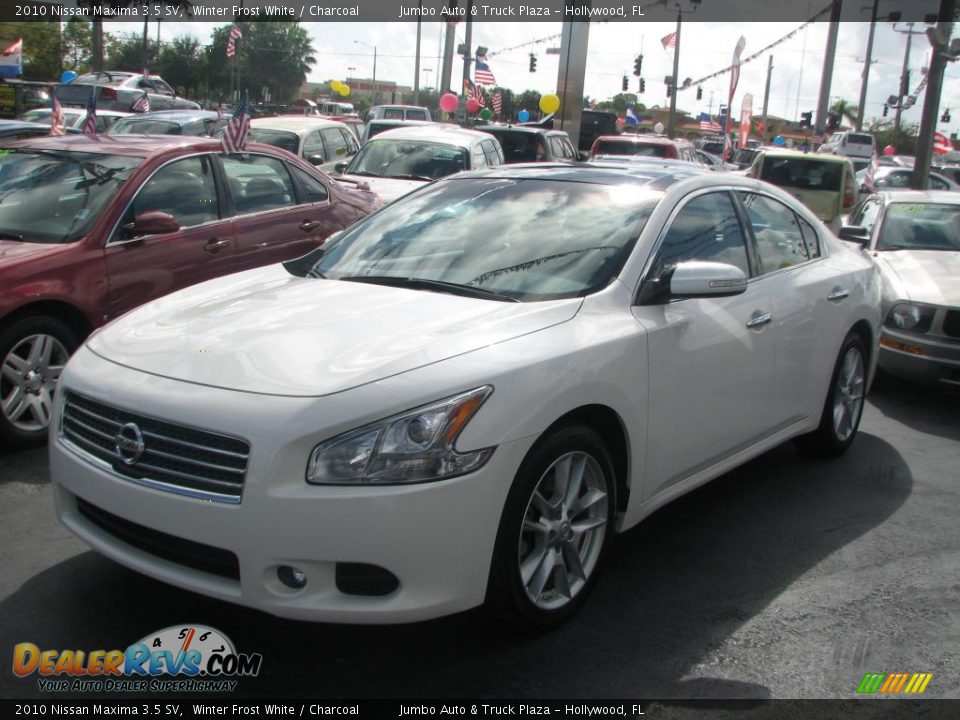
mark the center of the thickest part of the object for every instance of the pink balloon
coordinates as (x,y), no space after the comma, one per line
(448,102)
(472,105)
(889,150)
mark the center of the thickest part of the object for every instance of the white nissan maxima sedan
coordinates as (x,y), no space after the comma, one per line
(461,398)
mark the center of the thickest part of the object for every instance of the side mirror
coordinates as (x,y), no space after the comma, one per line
(316,159)
(854,233)
(153,222)
(340,167)
(706,279)
(583,155)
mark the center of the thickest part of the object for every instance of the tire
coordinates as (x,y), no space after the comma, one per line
(843,407)
(550,544)
(33,351)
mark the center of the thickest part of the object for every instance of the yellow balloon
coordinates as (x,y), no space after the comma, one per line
(549,103)
(344,90)
(335,85)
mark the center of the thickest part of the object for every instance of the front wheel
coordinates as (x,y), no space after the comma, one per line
(844,404)
(555,528)
(33,351)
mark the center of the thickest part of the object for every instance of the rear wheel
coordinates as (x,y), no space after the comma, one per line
(844,404)
(33,351)
(554,531)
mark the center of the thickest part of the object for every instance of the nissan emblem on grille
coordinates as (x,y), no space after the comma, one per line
(129,443)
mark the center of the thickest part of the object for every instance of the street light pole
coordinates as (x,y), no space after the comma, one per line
(416,68)
(904,80)
(373,94)
(862,105)
(676,70)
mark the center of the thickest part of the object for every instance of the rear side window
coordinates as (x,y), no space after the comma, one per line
(859,139)
(416,115)
(393,114)
(335,142)
(490,151)
(313,190)
(257,183)
(803,173)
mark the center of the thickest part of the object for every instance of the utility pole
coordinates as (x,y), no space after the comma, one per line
(416,65)
(467,58)
(862,105)
(827,76)
(940,40)
(446,71)
(766,98)
(571,71)
(904,80)
(676,70)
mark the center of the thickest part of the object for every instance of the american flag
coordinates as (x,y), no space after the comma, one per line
(869,181)
(238,129)
(474,91)
(90,122)
(497,103)
(235,34)
(58,123)
(141,104)
(708,124)
(941,143)
(669,41)
(483,74)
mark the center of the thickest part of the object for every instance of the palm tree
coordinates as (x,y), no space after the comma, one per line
(185,6)
(845,110)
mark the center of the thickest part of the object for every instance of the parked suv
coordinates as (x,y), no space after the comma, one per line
(851,144)
(530,144)
(397,112)
(93,227)
(645,145)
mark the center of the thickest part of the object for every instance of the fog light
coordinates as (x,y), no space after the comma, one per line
(291,577)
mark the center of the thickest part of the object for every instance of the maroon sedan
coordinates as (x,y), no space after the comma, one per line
(93,227)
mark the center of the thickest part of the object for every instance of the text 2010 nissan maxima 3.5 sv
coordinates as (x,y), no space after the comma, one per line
(461,398)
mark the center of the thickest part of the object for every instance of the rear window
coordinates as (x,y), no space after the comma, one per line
(714,148)
(517,146)
(111,79)
(803,173)
(416,115)
(145,127)
(278,138)
(859,139)
(614,147)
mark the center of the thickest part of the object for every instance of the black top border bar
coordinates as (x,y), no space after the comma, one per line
(635,11)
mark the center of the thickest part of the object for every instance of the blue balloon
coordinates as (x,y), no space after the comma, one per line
(523,116)
(778,140)
(68,76)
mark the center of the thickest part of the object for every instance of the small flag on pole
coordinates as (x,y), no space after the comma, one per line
(869,180)
(90,122)
(631,117)
(497,103)
(941,143)
(11,60)
(669,40)
(708,124)
(474,91)
(58,123)
(483,74)
(235,34)
(238,129)
(141,104)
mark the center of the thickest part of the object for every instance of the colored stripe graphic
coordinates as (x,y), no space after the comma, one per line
(893,683)
(871,682)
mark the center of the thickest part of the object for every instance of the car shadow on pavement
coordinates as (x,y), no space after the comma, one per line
(673,589)
(930,410)
(25,466)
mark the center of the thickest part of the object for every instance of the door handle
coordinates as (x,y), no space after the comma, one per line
(308,225)
(838,294)
(759,320)
(214,245)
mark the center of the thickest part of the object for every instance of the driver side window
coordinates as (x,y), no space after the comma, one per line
(706,228)
(184,189)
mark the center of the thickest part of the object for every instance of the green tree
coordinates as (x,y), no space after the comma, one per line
(183,64)
(41,47)
(76,43)
(124,52)
(845,110)
(882,130)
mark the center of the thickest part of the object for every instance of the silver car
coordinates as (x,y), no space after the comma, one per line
(914,239)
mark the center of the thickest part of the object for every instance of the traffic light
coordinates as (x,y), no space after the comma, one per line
(806,119)
(533,62)
(626,83)
(886,110)
(637,64)
(643,86)
(699,93)
(669,90)
(946,116)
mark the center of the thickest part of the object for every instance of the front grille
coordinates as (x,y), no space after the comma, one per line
(198,556)
(173,457)
(951,324)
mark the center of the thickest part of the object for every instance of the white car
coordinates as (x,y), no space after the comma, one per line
(74,117)
(319,141)
(462,397)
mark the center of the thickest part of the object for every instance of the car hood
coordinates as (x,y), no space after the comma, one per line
(14,250)
(924,276)
(266,331)
(387,188)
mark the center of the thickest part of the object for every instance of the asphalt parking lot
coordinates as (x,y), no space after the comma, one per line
(787,578)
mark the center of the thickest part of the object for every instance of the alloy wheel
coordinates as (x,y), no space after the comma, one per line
(848,397)
(28,377)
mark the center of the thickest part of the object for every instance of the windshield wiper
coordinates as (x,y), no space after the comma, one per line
(364,173)
(11,236)
(408,177)
(426,284)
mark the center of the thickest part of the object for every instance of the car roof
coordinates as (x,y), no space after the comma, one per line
(130,145)
(817,157)
(182,116)
(949,197)
(404,107)
(655,175)
(300,124)
(434,132)
(519,129)
(643,139)
(21,125)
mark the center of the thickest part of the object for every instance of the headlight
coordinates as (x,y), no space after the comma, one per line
(907,316)
(416,446)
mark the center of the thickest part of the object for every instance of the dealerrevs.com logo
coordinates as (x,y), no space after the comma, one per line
(180,658)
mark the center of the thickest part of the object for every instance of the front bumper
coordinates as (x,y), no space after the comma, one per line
(436,538)
(925,359)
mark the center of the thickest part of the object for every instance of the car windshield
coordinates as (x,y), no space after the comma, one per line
(54,196)
(803,173)
(714,148)
(278,138)
(525,240)
(920,226)
(617,147)
(45,115)
(859,139)
(744,156)
(408,158)
(114,79)
(517,146)
(137,126)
